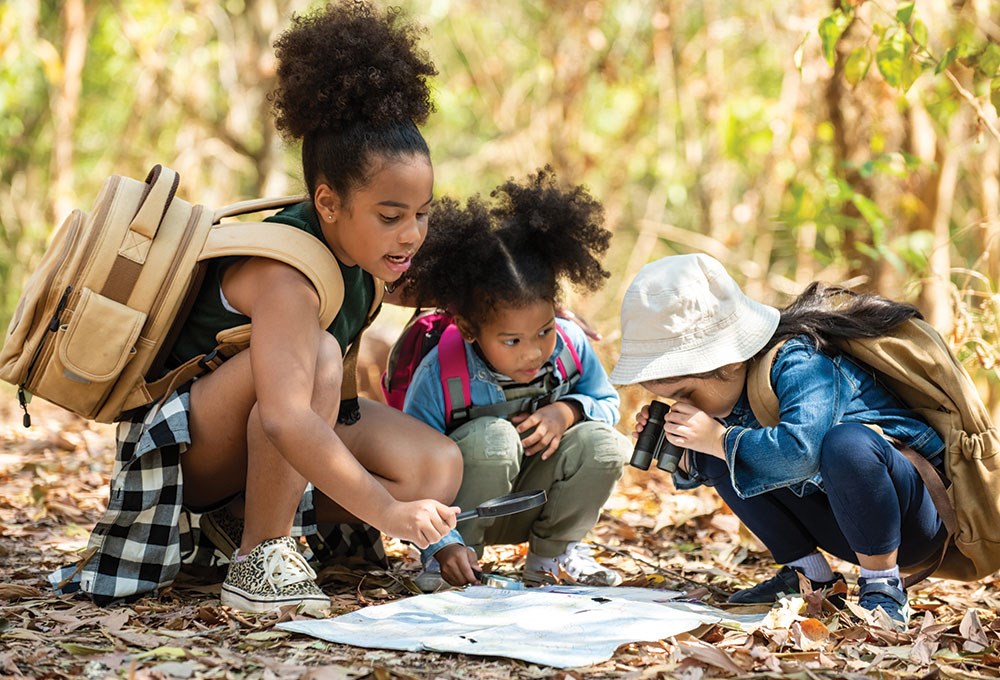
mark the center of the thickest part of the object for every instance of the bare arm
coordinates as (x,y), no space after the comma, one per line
(284,352)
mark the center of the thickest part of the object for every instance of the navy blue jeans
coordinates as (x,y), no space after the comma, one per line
(874,503)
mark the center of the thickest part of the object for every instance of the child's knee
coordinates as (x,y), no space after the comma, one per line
(448,463)
(489,441)
(846,441)
(597,444)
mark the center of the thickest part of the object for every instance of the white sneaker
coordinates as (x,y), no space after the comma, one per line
(429,580)
(577,560)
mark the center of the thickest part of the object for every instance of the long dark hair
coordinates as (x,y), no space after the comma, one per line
(352,86)
(829,313)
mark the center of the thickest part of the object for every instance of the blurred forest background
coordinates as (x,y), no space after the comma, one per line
(856,142)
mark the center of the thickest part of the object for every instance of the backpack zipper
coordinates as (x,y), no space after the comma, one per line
(22,397)
(52,328)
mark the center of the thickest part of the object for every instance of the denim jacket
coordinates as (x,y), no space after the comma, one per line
(816,391)
(594,392)
(425,399)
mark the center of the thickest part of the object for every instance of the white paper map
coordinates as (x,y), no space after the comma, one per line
(558,626)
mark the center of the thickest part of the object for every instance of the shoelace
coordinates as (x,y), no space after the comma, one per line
(284,566)
(580,559)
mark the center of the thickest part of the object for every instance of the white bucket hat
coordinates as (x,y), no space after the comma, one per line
(684,315)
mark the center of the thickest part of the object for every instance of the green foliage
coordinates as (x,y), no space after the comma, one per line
(830,30)
(895,58)
(857,64)
(903,48)
(698,124)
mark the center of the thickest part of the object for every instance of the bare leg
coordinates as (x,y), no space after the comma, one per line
(411,459)
(878,562)
(230,452)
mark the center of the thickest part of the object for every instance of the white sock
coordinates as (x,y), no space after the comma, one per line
(880,573)
(814,566)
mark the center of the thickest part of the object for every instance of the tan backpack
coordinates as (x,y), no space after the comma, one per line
(97,319)
(915,363)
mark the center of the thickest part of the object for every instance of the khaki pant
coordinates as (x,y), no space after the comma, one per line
(577,478)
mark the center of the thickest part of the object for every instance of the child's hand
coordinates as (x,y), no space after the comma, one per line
(458,564)
(690,428)
(641,418)
(550,422)
(421,522)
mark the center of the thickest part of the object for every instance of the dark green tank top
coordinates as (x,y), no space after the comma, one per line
(209,315)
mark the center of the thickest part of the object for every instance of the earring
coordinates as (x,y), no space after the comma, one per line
(330,217)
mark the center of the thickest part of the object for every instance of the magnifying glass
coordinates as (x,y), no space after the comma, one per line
(505,505)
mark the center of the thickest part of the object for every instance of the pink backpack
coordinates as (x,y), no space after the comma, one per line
(430,328)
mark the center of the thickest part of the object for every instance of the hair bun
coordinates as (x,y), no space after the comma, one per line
(346,64)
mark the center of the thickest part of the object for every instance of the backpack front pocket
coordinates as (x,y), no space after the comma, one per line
(88,352)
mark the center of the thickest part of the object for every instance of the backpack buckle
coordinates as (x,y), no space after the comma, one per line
(211,361)
(538,402)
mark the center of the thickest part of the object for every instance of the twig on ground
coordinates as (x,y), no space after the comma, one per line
(661,570)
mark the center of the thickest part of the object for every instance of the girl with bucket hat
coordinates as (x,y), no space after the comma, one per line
(823,478)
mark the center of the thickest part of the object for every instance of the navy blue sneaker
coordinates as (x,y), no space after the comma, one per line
(786,583)
(886,593)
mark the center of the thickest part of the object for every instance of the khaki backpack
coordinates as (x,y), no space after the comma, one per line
(97,319)
(915,363)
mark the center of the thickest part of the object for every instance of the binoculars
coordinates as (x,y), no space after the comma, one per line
(652,442)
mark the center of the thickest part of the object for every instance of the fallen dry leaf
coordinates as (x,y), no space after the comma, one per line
(655,536)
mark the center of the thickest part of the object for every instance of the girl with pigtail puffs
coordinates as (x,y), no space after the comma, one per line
(497,267)
(251,436)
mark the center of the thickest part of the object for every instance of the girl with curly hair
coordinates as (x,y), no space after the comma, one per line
(532,424)
(266,443)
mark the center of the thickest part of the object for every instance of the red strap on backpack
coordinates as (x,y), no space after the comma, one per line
(454,371)
(455,381)
(572,351)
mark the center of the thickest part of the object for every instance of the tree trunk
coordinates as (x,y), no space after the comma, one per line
(989,240)
(66,104)
(936,294)
(845,111)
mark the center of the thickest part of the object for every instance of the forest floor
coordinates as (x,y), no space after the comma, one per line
(54,479)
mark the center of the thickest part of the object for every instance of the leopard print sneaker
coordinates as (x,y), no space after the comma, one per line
(223,529)
(274,574)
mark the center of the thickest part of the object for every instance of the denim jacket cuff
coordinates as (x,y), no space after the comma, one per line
(730,440)
(449,538)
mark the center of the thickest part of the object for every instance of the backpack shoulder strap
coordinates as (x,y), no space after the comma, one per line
(276,241)
(256,205)
(760,392)
(568,360)
(455,384)
(286,244)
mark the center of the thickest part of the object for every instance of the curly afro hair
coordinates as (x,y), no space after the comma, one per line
(514,250)
(352,85)
(345,64)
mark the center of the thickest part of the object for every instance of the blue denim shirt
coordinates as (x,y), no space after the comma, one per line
(815,391)
(594,392)
(425,399)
